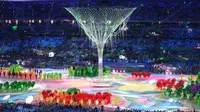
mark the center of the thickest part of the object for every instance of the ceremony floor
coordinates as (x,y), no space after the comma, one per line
(131,92)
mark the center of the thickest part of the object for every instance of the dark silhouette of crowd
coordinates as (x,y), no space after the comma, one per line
(41,107)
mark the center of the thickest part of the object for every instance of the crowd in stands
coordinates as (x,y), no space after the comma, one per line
(176,68)
(183,33)
(195,69)
(82,45)
(181,44)
(35,51)
(41,107)
(8,44)
(168,69)
(33,42)
(43,42)
(146,11)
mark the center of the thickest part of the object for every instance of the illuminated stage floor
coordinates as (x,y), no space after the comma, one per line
(132,93)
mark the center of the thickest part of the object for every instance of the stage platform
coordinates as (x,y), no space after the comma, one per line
(128,67)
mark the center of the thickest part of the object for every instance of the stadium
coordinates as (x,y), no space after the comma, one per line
(99,56)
